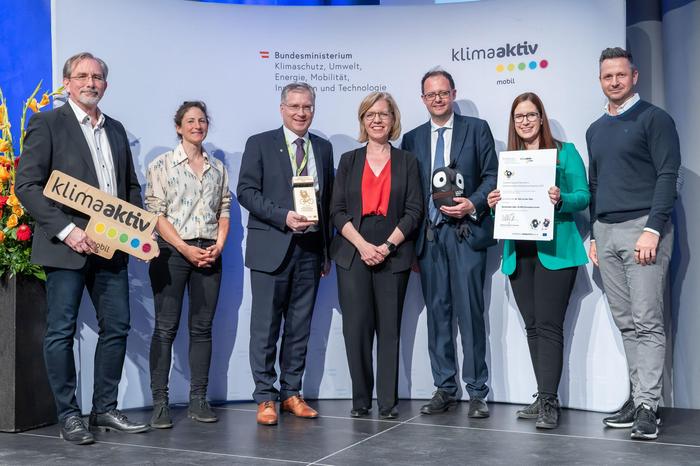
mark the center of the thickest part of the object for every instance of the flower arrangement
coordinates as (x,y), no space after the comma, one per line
(16,226)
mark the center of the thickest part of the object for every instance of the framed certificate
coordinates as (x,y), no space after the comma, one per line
(525,211)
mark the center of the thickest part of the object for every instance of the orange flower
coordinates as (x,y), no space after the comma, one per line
(5,146)
(4,174)
(17,210)
(12,221)
(4,160)
(2,236)
(12,200)
(44,101)
(3,112)
(33,106)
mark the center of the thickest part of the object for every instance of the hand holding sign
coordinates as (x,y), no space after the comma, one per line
(114,224)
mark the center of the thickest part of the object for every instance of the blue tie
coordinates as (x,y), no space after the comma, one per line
(438,162)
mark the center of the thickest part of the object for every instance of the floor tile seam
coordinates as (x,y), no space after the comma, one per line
(347,418)
(554,434)
(398,424)
(181,450)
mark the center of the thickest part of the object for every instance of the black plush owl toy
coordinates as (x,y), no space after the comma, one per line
(447,184)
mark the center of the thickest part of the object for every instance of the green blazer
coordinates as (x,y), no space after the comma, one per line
(566,249)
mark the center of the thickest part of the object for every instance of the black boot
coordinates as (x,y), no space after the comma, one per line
(200,410)
(161,415)
(548,417)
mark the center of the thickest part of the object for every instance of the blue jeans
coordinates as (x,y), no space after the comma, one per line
(108,286)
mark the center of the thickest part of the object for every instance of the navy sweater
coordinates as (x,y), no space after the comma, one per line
(633,166)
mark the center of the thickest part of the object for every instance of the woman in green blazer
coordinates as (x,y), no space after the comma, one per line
(542,273)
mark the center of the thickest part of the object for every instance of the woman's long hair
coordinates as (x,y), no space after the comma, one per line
(547,141)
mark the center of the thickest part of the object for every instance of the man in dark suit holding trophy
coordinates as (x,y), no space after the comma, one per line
(286,251)
(451,246)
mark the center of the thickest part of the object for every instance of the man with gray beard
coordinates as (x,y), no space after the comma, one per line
(81,141)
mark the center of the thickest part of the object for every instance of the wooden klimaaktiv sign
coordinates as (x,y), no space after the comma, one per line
(114,224)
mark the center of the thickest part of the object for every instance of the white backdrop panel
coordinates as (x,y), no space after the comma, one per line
(162,52)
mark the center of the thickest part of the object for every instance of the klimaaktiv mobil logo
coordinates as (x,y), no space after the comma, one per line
(507,58)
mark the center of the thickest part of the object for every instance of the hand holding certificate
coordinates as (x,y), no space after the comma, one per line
(525,211)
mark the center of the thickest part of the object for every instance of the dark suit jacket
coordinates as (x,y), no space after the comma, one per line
(473,154)
(265,190)
(405,205)
(55,141)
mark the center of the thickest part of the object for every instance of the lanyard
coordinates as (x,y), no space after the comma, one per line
(293,158)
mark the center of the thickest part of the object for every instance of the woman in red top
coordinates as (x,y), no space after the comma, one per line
(376,208)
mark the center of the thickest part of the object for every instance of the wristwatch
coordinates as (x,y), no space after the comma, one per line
(390,246)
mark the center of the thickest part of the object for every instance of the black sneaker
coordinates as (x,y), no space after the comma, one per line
(478,408)
(200,410)
(74,430)
(161,416)
(645,426)
(531,411)
(622,419)
(439,403)
(548,417)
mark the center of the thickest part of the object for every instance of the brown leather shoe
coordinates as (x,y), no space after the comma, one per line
(297,406)
(267,413)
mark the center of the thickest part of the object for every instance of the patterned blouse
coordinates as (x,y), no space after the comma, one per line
(192,204)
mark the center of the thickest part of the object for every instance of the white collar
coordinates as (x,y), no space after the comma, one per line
(448,125)
(83,117)
(290,136)
(626,105)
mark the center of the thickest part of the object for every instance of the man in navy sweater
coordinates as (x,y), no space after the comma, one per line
(634,160)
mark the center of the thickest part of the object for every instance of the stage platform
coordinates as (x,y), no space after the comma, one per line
(337,439)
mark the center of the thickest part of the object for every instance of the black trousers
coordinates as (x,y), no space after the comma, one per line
(542,296)
(371,300)
(289,293)
(170,274)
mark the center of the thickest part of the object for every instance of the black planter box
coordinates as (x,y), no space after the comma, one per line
(26,401)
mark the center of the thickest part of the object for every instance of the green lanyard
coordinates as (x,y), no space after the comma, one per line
(293,158)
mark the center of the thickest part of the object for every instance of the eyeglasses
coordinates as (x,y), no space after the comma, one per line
(303,108)
(383,116)
(432,95)
(84,77)
(531,117)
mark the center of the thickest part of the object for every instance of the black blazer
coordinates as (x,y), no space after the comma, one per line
(405,205)
(54,141)
(474,156)
(265,190)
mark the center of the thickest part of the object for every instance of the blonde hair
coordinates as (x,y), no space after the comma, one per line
(368,102)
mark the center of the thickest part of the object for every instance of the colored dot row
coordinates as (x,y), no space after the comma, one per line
(522,66)
(112,233)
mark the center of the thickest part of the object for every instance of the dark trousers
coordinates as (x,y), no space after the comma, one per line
(371,299)
(542,296)
(170,274)
(452,276)
(289,293)
(108,286)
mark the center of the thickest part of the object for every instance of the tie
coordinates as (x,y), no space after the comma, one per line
(301,160)
(438,162)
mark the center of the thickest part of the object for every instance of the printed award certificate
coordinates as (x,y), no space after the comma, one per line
(525,211)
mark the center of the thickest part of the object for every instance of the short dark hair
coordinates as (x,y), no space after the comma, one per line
(186,105)
(616,52)
(437,72)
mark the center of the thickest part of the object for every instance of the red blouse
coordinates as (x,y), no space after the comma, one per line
(376,190)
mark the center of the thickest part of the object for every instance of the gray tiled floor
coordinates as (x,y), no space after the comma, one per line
(336,439)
